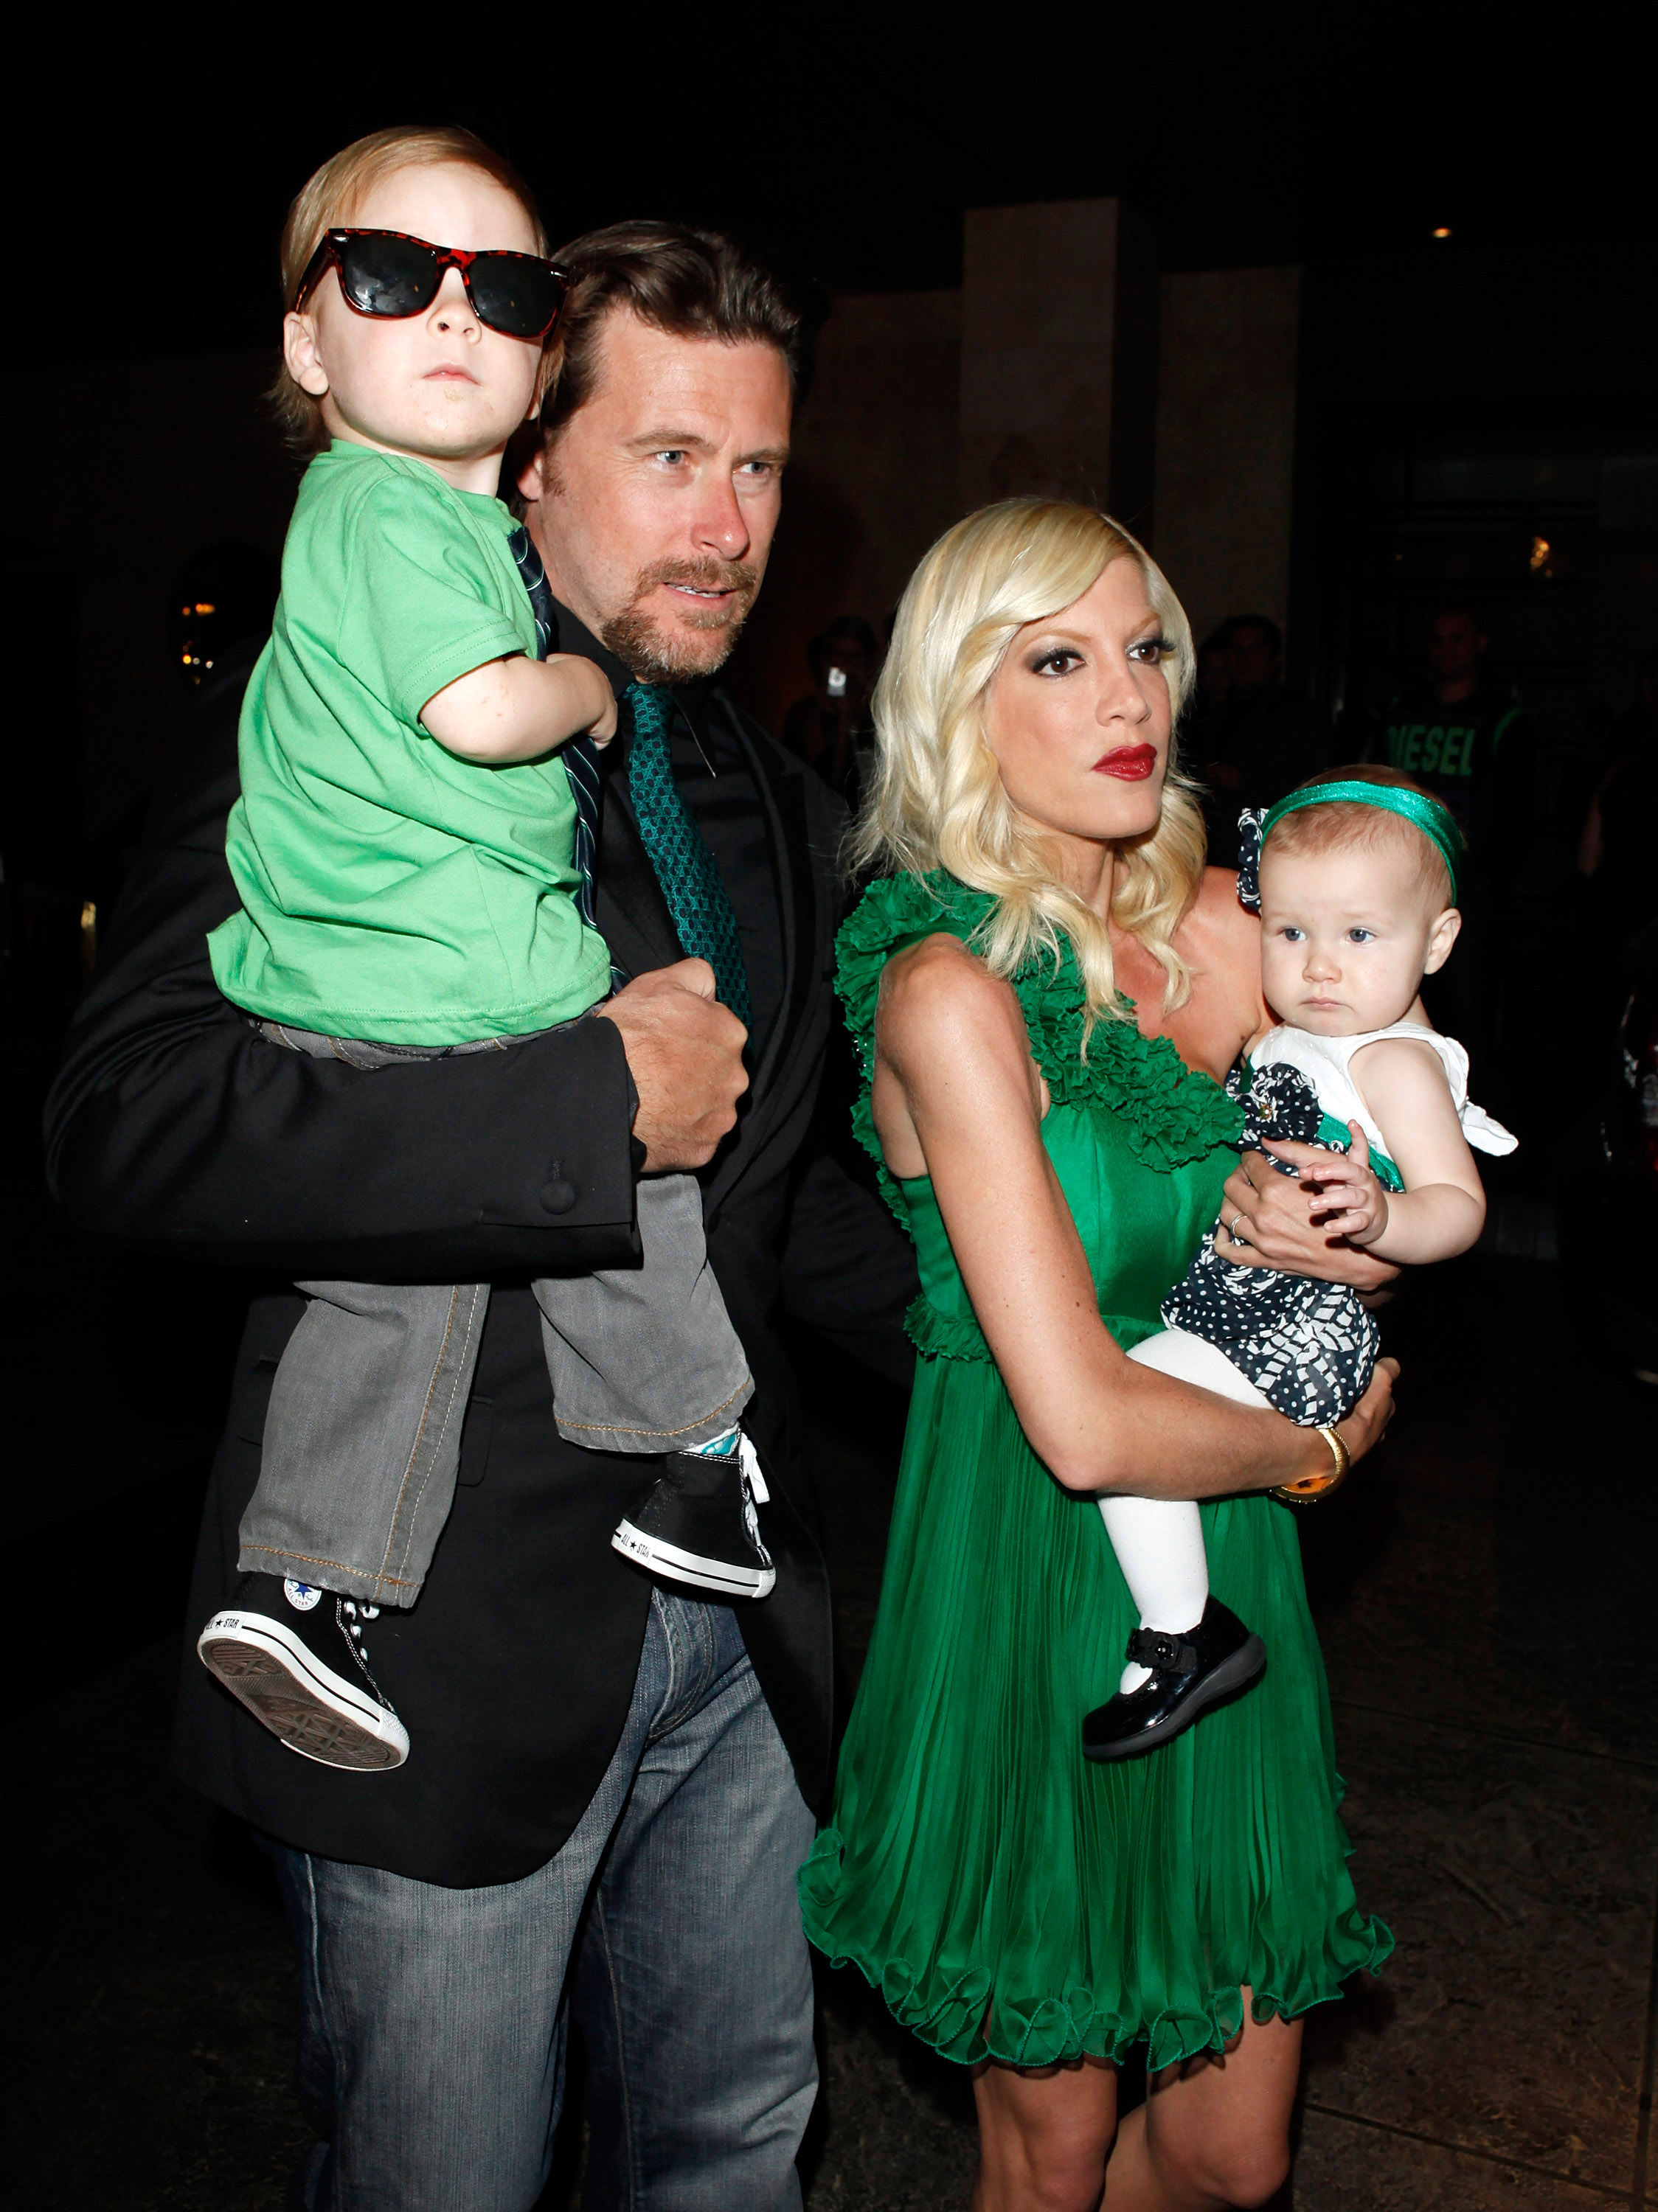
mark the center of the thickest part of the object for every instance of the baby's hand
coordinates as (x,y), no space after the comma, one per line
(1343,1194)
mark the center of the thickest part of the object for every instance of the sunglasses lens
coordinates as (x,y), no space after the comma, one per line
(382,276)
(514,293)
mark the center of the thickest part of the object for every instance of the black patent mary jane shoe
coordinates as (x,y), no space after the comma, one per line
(1189,1674)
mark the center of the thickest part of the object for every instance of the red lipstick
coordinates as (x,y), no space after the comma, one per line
(1129,763)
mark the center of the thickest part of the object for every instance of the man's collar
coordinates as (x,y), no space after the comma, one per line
(572,636)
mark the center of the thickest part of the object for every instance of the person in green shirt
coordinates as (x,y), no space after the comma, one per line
(406,854)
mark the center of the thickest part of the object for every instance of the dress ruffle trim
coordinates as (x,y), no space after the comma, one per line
(1173,1114)
(938,1335)
(950,2018)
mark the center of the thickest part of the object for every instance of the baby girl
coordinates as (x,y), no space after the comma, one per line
(1356,878)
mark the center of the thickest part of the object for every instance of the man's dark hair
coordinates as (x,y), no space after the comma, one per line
(690,283)
(843,626)
(1264,624)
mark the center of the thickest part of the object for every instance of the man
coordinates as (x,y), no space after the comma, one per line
(1264,740)
(831,728)
(610,1795)
(1466,738)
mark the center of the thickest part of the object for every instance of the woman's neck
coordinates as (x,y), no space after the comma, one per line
(1087,867)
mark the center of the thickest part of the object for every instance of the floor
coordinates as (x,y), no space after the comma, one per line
(1481,1588)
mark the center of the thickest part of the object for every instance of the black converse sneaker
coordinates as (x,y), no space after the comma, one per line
(1189,1674)
(295,1656)
(697,1525)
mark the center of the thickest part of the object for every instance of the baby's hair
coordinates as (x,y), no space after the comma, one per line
(1350,826)
(333,196)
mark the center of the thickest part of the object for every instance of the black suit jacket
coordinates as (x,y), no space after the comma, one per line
(172,1124)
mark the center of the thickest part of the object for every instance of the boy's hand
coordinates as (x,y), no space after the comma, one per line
(520,709)
(1345,1195)
(593,690)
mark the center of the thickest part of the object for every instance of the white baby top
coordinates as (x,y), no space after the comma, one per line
(1323,1060)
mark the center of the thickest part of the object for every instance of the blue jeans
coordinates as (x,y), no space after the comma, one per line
(434,2020)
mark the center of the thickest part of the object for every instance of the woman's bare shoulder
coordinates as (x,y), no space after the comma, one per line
(936,993)
(1224,931)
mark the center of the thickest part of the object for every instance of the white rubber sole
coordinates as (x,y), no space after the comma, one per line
(718,1577)
(309,1708)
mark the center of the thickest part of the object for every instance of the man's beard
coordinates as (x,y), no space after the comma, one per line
(658,655)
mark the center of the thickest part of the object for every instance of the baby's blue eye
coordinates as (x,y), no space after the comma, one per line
(1292,936)
(1361,936)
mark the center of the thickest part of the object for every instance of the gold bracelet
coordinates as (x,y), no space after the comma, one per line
(1312,1488)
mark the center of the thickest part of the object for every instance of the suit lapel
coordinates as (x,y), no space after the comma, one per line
(782,798)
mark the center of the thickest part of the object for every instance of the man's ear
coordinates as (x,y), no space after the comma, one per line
(1442,936)
(532,477)
(299,351)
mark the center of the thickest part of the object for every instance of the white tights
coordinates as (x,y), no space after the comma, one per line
(1159,1541)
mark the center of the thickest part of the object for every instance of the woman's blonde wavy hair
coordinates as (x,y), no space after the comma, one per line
(937,800)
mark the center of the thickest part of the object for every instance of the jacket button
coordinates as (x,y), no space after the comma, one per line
(558,1196)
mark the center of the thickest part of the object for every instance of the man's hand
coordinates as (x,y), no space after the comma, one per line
(1264,1223)
(684,1054)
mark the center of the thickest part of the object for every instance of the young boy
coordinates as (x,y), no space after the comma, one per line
(404,849)
(1355,878)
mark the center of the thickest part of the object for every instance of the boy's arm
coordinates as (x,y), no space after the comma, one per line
(1441,1209)
(519,709)
(172,1124)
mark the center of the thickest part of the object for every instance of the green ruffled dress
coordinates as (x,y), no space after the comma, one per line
(1009,1898)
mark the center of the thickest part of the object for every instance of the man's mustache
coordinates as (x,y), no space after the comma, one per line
(706,575)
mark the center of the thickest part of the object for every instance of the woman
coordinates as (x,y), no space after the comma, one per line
(1057,1149)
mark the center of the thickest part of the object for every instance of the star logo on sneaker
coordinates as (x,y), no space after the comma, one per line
(304,1597)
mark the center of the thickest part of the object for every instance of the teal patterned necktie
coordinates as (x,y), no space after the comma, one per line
(703,919)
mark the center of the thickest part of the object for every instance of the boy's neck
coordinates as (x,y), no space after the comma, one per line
(478,472)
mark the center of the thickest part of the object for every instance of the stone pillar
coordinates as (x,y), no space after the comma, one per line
(1059,355)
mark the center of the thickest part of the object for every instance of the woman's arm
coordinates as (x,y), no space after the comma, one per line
(958,1097)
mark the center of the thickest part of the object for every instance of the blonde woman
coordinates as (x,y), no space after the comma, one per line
(1048,990)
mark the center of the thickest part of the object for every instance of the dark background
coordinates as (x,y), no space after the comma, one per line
(1453,400)
(848,140)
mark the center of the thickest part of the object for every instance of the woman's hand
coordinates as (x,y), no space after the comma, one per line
(1344,1195)
(1364,1429)
(1265,1222)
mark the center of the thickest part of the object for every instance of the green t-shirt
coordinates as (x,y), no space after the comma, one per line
(390,890)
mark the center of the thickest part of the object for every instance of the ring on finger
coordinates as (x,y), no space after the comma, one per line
(1232,1228)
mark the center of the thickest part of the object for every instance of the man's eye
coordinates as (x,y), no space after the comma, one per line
(672,453)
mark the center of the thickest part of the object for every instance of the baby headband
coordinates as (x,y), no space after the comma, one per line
(1429,815)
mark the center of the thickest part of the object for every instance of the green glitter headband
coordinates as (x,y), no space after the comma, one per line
(1429,815)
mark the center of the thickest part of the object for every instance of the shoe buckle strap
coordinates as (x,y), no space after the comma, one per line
(1165,1655)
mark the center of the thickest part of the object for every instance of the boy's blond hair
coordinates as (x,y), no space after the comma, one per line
(331,197)
(1349,826)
